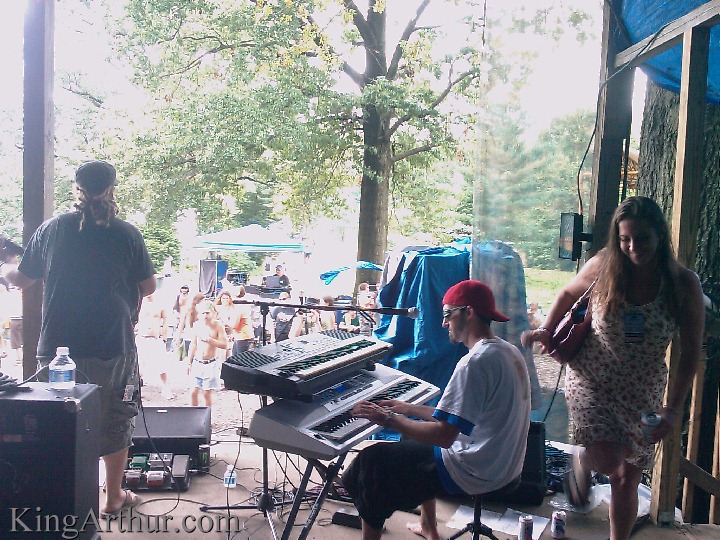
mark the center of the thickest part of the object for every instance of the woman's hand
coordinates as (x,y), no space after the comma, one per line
(668,417)
(540,335)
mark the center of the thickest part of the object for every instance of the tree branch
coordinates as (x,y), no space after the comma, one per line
(472,73)
(409,29)
(418,150)
(360,21)
(96,101)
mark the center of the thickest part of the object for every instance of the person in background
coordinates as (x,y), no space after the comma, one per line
(472,442)
(183,334)
(243,331)
(282,277)
(327,318)
(150,339)
(350,322)
(283,318)
(642,299)
(207,352)
(369,319)
(96,270)
(227,314)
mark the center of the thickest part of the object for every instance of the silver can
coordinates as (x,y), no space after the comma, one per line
(557,525)
(649,421)
(525,527)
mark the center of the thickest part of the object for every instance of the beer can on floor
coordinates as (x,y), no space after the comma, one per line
(204,458)
(557,526)
(525,527)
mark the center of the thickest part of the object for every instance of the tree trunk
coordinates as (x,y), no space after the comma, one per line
(374,195)
(657,170)
(374,189)
(655,179)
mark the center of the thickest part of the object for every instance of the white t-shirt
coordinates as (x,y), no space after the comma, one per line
(488,399)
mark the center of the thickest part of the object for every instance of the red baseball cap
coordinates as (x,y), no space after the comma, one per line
(478,296)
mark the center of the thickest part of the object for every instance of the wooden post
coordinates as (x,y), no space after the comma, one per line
(688,181)
(38,152)
(693,438)
(715,501)
(614,118)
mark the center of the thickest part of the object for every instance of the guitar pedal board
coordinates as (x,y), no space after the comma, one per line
(157,472)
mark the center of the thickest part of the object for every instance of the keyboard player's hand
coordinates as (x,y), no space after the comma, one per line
(371,411)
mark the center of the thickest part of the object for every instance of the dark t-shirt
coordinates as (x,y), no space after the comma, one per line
(283,317)
(91,295)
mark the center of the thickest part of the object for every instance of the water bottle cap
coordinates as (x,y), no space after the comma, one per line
(62,350)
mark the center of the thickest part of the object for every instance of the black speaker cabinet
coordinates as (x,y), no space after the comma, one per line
(533,483)
(177,430)
(49,451)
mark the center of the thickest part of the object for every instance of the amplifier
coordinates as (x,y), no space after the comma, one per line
(49,451)
(533,482)
(177,430)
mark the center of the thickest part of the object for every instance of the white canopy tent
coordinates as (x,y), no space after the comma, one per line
(251,238)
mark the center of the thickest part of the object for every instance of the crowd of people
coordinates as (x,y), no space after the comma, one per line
(101,303)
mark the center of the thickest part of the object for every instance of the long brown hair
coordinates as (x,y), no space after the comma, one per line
(614,277)
(192,312)
(101,208)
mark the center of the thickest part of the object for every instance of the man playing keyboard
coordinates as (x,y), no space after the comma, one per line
(472,442)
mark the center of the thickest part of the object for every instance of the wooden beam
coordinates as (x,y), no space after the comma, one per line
(38,151)
(693,439)
(700,477)
(613,130)
(688,181)
(714,499)
(706,15)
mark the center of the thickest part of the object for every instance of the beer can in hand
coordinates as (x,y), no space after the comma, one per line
(649,421)
(557,525)
(525,527)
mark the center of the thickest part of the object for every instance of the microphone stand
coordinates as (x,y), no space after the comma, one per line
(265,502)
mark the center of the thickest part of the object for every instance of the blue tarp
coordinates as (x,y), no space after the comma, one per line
(421,347)
(643,18)
(329,276)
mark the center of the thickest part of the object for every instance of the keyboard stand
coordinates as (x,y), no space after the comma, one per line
(331,472)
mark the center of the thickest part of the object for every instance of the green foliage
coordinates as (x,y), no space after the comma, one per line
(521,192)
(161,243)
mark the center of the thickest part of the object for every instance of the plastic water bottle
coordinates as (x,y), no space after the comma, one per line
(229,478)
(62,370)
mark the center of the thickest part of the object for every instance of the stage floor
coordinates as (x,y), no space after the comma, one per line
(179,514)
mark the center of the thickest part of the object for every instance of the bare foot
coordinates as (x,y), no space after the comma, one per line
(417,528)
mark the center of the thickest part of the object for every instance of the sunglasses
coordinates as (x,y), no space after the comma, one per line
(447,313)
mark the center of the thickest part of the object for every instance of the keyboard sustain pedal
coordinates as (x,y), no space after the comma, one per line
(347,517)
(181,471)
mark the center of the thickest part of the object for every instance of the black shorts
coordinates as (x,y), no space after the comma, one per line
(387,477)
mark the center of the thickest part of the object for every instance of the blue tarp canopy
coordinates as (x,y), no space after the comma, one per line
(251,238)
(643,18)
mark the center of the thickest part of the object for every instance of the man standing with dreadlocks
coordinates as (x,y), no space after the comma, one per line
(96,270)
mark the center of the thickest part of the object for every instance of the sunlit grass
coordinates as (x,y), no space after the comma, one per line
(543,285)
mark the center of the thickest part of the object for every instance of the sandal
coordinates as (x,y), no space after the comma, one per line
(131,501)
